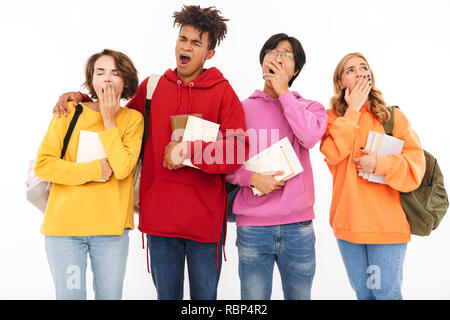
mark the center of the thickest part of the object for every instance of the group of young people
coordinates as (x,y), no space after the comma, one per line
(183,209)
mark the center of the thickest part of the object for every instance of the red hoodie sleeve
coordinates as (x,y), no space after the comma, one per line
(137,102)
(231,149)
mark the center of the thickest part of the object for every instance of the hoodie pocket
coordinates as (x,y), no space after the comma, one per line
(173,208)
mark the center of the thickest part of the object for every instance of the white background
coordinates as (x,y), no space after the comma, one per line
(45,44)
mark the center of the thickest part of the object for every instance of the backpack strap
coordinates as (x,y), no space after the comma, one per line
(389,126)
(151,86)
(73,122)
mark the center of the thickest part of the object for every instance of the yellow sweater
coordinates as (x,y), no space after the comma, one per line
(78,206)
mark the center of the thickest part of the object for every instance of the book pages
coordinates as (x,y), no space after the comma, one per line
(199,129)
(384,145)
(90,148)
(280,156)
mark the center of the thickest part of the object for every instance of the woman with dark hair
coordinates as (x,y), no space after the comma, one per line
(367,218)
(277,226)
(83,214)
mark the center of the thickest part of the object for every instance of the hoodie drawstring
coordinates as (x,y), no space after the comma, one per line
(179,83)
(178,96)
(191,84)
(143,247)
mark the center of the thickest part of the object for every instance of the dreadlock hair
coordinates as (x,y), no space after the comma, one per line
(205,20)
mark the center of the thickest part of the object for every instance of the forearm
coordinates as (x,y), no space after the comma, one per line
(122,155)
(339,138)
(60,171)
(221,157)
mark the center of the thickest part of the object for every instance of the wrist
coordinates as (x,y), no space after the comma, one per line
(253,179)
(109,124)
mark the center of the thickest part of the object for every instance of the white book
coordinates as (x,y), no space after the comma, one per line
(382,144)
(199,129)
(90,148)
(280,156)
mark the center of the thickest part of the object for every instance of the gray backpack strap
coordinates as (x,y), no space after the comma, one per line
(389,126)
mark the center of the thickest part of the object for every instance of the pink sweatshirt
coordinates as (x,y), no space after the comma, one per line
(303,122)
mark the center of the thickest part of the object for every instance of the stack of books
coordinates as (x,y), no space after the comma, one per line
(280,156)
(199,129)
(382,144)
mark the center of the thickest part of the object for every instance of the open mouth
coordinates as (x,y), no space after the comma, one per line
(184,59)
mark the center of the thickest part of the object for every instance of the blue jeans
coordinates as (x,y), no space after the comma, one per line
(375,271)
(291,246)
(167,257)
(67,257)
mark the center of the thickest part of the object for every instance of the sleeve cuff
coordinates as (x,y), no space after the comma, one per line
(245,177)
(352,115)
(383,165)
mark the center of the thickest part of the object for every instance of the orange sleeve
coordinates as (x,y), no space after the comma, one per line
(337,142)
(403,172)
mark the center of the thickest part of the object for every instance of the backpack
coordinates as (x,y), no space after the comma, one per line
(231,190)
(151,86)
(426,206)
(38,190)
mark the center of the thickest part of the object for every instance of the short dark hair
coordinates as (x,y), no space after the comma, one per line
(205,20)
(299,53)
(124,65)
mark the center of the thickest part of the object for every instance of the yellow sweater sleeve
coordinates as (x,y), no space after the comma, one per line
(403,172)
(123,153)
(51,168)
(337,142)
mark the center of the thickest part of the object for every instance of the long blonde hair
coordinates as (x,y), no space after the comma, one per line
(376,104)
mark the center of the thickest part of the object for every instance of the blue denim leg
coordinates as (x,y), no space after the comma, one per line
(356,263)
(108,256)
(67,257)
(375,271)
(167,257)
(204,261)
(291,246)
(386,260)
(256,249)
(296,260)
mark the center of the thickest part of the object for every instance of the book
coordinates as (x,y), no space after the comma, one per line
(90,148)
(280,156)
(199,129)
(178,124)
(382,144)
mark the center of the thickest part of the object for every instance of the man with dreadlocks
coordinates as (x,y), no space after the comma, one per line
(182,209)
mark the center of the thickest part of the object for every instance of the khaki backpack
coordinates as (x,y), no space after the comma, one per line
(426,206)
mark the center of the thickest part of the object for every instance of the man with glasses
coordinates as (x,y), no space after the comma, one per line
(277,226)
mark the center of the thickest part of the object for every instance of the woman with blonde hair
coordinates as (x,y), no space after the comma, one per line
(367,217)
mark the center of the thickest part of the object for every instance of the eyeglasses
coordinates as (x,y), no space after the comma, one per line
(283,54)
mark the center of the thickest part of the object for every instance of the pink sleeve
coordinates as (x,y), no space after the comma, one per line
(307,119)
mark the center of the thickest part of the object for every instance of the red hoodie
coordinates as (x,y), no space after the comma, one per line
(187,203)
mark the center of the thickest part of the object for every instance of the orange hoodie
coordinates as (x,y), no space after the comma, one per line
(363,211)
